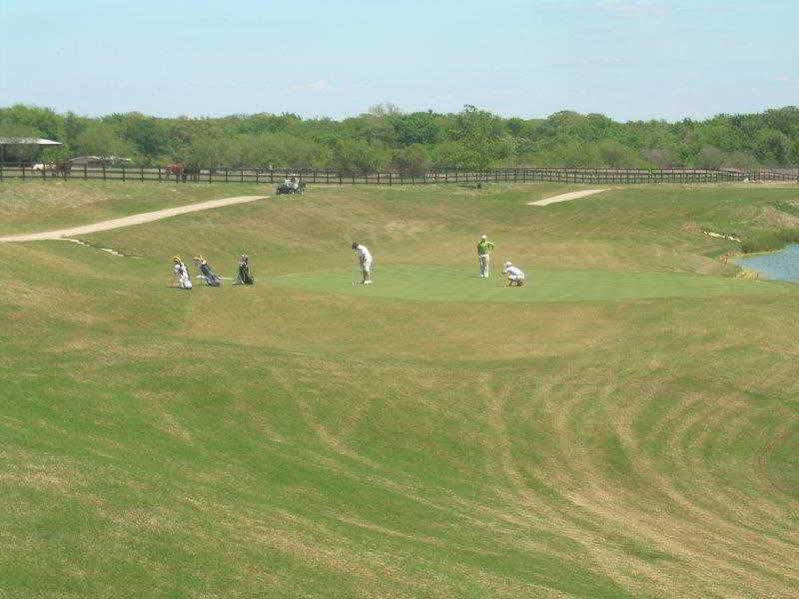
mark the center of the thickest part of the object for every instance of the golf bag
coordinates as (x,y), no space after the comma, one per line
(182,276)
(245,276)
(208,275)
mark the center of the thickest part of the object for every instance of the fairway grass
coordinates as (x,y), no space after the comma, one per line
(437,283)
(625,425)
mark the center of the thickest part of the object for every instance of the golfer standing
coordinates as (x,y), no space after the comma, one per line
(484,248)
(365,260)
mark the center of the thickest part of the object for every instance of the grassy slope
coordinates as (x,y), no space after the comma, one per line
(31,206)
(296,439)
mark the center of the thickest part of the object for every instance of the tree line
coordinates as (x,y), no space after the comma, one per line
(386,138)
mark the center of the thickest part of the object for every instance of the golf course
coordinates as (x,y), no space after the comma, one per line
(625,425)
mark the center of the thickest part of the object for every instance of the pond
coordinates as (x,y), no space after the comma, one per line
(778,266)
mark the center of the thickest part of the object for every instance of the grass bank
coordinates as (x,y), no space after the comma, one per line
(625,426)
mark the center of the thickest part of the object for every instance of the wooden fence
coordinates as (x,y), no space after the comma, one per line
(445,176)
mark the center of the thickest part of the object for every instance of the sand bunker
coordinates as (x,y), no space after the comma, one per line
(565,197)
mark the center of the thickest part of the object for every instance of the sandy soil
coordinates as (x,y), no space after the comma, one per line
(565,197)
(129,221)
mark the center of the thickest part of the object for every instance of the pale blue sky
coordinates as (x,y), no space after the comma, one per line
(628,59)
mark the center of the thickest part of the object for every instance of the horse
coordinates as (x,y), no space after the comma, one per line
(61,168)
(192,172)
(175,169)
(54,168)
(183,171)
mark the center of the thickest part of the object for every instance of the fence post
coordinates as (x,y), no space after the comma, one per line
(142,173)
(103,171)
(226,175)
(85,172)
(123,172)
(390,178)
(23,172)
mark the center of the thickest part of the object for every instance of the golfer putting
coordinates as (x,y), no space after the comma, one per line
(515,275)
(484,248)
(365,261)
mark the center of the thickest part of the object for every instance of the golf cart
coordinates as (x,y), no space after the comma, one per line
(292,184)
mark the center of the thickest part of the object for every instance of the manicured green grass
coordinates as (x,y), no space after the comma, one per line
(439,283)
(624,426)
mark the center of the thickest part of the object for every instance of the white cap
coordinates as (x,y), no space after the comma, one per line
(483,237)
(508,264)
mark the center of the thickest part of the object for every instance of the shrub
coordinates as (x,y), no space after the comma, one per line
(412,161)
(767,241)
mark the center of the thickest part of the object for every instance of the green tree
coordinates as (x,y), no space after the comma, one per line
(44,120)
(412,160)
(710,157)
(773,147)
(574,153)
(615,155)
(148,135)
(73,127)
(356,157)
(448,154)
(208,153)
(101,139)
(417,128)
(480,134)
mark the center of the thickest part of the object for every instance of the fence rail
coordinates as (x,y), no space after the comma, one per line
(602,176)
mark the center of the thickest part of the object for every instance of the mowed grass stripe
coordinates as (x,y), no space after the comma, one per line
(442,283)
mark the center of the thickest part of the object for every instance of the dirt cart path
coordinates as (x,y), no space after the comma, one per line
(565,197)
(129,221)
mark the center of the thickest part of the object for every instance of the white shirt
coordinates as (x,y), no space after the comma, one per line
(363,254)
(516,272)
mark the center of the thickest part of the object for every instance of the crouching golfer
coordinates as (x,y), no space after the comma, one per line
(365,260)
(515,275)
(484,248)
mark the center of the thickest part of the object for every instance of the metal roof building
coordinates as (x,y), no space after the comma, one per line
(24,141)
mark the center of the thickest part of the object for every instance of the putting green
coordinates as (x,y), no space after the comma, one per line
(436,283)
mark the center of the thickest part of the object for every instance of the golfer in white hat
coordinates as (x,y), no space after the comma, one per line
(365,260)
(515,275)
